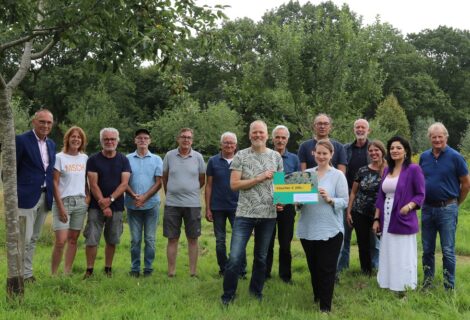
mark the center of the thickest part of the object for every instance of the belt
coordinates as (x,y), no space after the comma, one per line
(442,203)
(43,189)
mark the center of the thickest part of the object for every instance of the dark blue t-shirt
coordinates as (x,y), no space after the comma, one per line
(109,176)
(442,174)
(306,148)
(222,197)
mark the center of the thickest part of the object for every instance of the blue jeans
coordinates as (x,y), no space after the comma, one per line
(242,229)
(220,222)
(146,221)
(444,221)
(343,261)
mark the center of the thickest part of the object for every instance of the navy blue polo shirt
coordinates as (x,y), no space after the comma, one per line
(222,197)
(290,161)
(442,174)
(306,148)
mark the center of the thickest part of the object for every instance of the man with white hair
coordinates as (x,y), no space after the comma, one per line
(108,174)
(447,185)
(285,214)
(357,156)
(221,201)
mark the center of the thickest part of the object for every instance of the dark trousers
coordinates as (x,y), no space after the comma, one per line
(285,226)
(322,258)
(363,227)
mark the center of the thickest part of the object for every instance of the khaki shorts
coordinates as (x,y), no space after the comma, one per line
(94,226)
(76,208)
(173,217)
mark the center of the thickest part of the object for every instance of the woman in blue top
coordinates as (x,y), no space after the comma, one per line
(320,228)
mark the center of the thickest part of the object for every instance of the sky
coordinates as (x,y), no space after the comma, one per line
(408,16)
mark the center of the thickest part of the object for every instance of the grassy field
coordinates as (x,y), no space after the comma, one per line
(183,297)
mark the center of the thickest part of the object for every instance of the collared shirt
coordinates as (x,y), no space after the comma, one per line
(43,150)
(442,173)
(357,158)
(145,170)
(290,161)
(183,189)
(222,197)
(321,221)
(306,148)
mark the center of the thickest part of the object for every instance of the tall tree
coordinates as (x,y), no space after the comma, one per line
(113,32)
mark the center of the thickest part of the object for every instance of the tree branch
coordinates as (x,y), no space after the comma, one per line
(47,48)
(3,84)
(24,66)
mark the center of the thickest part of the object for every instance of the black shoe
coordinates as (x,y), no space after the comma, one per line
(242,276)
(287,281)
(221,273)
(147,274)
(108,272)
(31,279)
(88,273)
(134,274)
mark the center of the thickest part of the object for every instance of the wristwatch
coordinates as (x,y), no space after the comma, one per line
(111,198)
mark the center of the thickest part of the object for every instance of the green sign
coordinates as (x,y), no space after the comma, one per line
(295,187)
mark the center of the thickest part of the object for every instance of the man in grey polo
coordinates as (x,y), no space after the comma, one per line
(183,177)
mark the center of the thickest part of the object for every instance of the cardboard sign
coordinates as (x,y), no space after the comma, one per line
(295,187)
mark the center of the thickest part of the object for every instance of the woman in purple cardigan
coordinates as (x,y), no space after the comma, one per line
(401,193)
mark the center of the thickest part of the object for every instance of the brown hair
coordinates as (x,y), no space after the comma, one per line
(379,144)
(325,143)
(82,135)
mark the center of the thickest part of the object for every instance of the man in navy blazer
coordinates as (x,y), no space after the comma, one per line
(35,159)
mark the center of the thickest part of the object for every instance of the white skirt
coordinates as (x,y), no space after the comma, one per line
(398,259)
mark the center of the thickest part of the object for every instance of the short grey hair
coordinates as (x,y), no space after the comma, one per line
(278,128)
(363,120)
(437,125)
(114,130)
(259,122)
(323,115)
(228,134)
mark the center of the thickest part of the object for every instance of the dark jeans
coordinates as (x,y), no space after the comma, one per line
(220,222)
(343,261)
(241,232)
(365,241)
(322,258)
(441,220)
(285,226)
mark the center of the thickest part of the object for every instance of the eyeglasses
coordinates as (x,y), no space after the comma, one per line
(322,124)
(186,138)
(143,138)
(228,143)
(109,139)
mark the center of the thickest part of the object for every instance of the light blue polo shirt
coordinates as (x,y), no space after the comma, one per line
(144,171)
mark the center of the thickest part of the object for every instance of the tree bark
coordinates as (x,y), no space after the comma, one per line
(15,286)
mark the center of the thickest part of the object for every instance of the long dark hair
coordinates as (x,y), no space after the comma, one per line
(406,145)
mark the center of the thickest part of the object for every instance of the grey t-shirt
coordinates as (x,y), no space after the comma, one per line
(183,188)
(256,202)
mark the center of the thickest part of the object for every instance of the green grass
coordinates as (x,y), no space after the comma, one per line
(158,297)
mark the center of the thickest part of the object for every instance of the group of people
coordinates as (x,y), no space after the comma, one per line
(362,185)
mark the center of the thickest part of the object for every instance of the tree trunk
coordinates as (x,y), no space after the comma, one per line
(14,243)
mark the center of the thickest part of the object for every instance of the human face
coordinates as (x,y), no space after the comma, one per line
(42,124)
(75,141)
(142,141)
(438,139)
(185,140)
(228,146)
(258,135)
(280,140)
(397,151)
(322,155)
(361,129)
(375,154)
(109,141)
(322,127)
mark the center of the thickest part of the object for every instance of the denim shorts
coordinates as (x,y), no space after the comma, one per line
(94,226)
(76,208)
(172,219)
